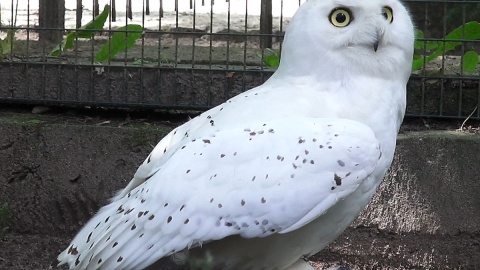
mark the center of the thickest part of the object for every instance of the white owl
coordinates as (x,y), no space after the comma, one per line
(275,173)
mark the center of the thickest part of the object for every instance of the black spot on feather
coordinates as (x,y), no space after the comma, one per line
(338,180)
(88,238)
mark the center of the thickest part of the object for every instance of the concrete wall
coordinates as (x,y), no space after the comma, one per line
(56,171)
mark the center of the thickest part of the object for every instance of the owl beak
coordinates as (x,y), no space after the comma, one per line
(378,38)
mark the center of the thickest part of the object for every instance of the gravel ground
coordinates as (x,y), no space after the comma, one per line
(360,248)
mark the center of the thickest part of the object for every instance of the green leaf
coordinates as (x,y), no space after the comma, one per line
(418,35)
(87,31)
(119,42)
(431,45)
(422,44)
(417,63)
(470,61)
(427,45)
(418,45)
(6,43)
(272,59)
(468,31)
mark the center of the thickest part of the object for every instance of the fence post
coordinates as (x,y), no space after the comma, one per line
(51,14)
(113,11)
(129,9)
(79,13)
(96,8)
(266,23)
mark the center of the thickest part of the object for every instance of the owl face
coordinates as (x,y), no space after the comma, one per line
(374,36)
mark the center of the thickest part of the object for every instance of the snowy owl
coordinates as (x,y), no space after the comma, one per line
(278,172)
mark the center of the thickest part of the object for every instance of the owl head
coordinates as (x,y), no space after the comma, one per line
(332,38)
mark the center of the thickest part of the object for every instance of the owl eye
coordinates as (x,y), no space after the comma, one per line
(340,17)
(387,13)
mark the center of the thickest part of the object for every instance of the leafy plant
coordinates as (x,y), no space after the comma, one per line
(86,31)
(468,31)
(3,220)
(121,40)
(6,43)
(271,58)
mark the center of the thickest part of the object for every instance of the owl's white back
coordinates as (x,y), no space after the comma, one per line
(279,171)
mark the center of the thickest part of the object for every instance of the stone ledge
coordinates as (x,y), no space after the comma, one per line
(56,172)
(432,187)
(67,170)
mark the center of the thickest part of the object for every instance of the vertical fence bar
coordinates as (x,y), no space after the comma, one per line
(125,55)
(129,10)
(142,57)
(210,48)
(108,69)
(245,44)
(27,66)
(161,8)
(442,85)
(228,33)
(96,8)
(11,28)
(158,89)
(176,34)
(193,5)
(78,12)
(422,102)
(460,92)
(59,86)
(91,93)
(266,21)
(76,87)
(228,80)
(113,13)
(281,29)
(51,14)
(246,36)
(177,84)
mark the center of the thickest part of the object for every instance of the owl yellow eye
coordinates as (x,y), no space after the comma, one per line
(387,13)
(340,17)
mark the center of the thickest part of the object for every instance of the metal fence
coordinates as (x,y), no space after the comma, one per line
(195,54)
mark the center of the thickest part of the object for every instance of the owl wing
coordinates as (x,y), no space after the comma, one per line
(251,180)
